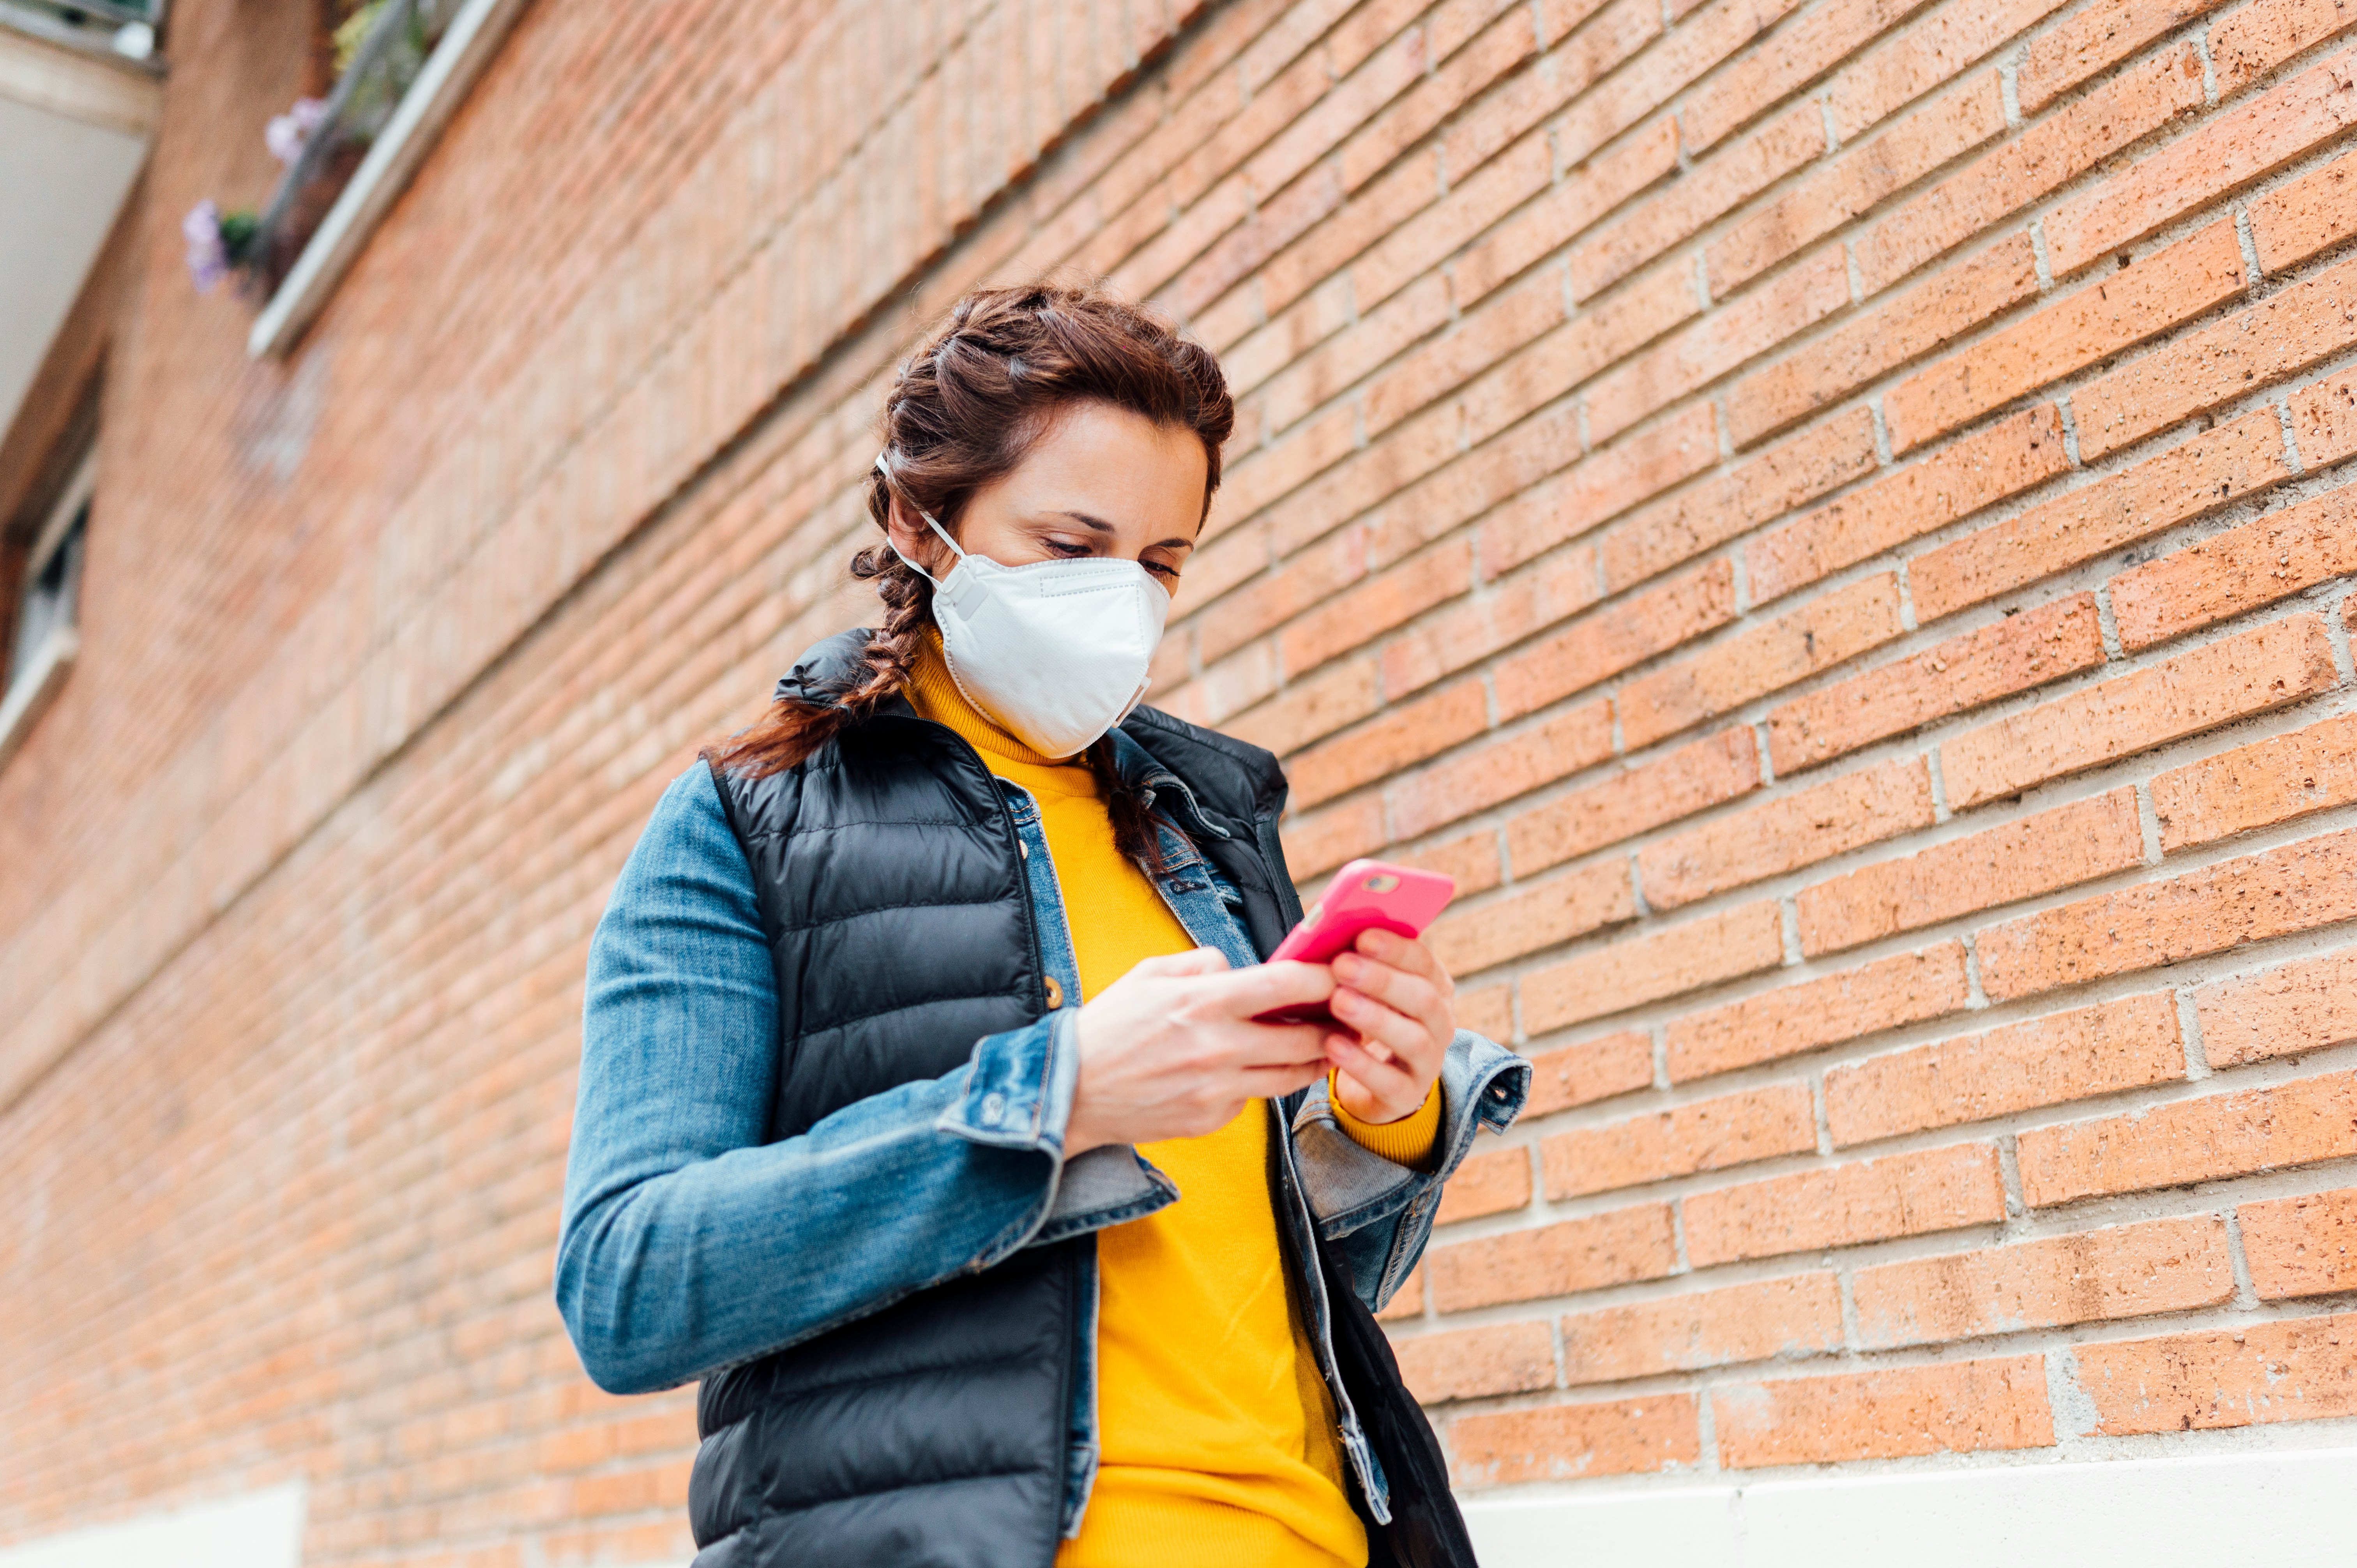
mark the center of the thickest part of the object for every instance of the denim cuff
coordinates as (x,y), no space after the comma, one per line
(1483,1084)
(1019,1095)
(1018,1087)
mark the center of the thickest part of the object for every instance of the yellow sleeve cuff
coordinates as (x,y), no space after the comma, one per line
(1406,1142)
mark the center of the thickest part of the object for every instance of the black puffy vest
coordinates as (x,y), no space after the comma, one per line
(933,1432)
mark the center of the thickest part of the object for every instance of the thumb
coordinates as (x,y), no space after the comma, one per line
(1198,961)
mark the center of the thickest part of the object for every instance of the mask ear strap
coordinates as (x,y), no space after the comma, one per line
(885,468)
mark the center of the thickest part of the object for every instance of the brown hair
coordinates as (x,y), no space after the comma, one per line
(965,410)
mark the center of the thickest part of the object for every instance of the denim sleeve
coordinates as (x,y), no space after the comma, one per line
(688,1243)
(1377,1212)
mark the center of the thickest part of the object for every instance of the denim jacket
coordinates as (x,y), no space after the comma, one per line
(690,1245)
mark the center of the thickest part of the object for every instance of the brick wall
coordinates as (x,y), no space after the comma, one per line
(1825,517)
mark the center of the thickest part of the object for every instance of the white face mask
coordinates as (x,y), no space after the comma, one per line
(1056,652)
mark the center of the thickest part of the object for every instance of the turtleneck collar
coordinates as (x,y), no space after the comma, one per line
(934,693)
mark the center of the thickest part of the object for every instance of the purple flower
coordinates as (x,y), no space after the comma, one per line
(208,257)
(288,131)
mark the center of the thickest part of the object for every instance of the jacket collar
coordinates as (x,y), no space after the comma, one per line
(1215,763)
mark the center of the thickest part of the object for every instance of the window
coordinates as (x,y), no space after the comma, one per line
(46,635)
(403,66)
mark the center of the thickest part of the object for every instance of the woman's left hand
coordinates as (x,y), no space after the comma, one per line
(1397,1008)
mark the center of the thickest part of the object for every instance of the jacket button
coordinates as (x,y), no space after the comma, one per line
(994,1106)
(1055,994)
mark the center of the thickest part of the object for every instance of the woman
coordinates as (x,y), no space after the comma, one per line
(917,1097)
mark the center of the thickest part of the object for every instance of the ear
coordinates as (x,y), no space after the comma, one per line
(912,539)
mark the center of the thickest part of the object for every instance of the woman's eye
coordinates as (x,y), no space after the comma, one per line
(1161,569)
(1068,549)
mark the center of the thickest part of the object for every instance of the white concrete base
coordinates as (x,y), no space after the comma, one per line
(2293,1508)
(260,1530)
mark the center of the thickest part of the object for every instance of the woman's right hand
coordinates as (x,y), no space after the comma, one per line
(1170,1050)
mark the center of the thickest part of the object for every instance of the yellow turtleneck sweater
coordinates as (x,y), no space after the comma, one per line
(1216,1433)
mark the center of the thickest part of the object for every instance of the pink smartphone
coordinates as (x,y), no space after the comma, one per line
(1365,895)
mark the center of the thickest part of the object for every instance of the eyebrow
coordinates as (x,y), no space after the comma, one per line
(1101,526)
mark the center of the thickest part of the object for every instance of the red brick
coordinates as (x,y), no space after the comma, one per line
(2058,848)
(2324,422)
(1317,350)
(1488,1183)
(1269,473)
(1502,769)
(1326,840)
(1931,51)
(1311,579)
(1591,191)
(1562,1259)
(1584,42)
(1465,52)
(1774,69)
(1684,55)
(2304,1368)
(2228,150)
(1677,530)
(1525,602)
(1590,1070)
(1487,1011)
(1404,735)
(1298,714)
(2102,35)
(1471,1363)
(2008,656)
(2312,213)
(1566,1442)
(2251,41)
(1702,774)
(2102,1049)
(1954,1407)
(2239,570)
(2196,476)
(1905,988)
(1913,324)
(1605,641)
(1707,1135)
(1528,919)
(2281,1128)
(2308,1006)
(2126,1271)
(1860,179)
(2112,312)
(1985,468)
(1786,833)
(1816,636)
(1472,862)
(1845,1205)
(2235,678)
(2300,1246)
(1475,344)
(1701,195)
(1701,352)
(1787,1318)
(2297,887)
(1665,963)
(1352,619)
(2048,152)
(2197,372)
(1599,488)
(2258,785)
